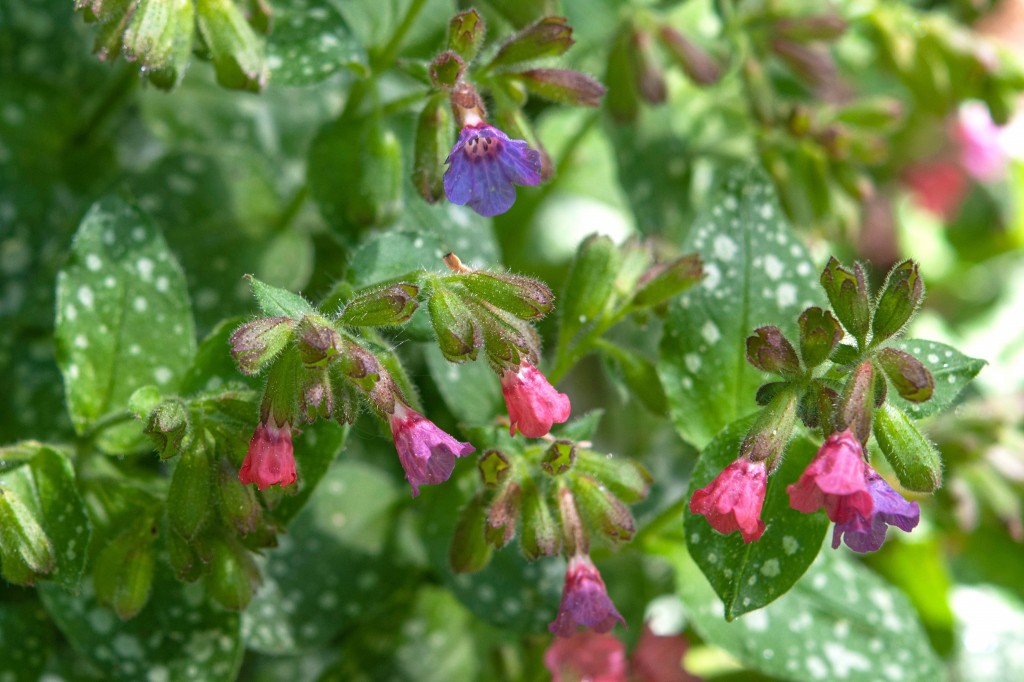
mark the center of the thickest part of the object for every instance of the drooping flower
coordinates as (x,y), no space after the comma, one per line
(585,600)
(982,151)
(426,452)
(659,658)
(836,479)
(484,165)
(866,534)
(587,656)
(533,403)
(270,458)
(733,500)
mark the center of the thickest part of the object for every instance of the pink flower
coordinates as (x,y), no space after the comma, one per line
(733,500)
(585,601)
(659,658)
(533,403)
(982,150)
(270,458)
(426,452)
(836,479)
(866,534)
(587,656)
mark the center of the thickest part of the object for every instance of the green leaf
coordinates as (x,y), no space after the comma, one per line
(26,635)
(310,42)
(179,635)
(840,622)
(123,318)
(45,483)
(996,617)
(346,526)
(275,302)
(748,576)
(756,270)
(951,370)
(471,390)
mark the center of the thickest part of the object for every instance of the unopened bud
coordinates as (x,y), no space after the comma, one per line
(255,344)
(236,52)
(184,560)
(915,461)
(814,27)
(458,335)
(559,458)
(820,333)
(771,431)
(901,295)
(695,62)
(575,539)
(627,479)
(494,468)
(623,101)
(238,504)
(346,402)
(431,148)
(259,13)
(466,33)
(647,73)
(539,535)
(524,297)
(770,351)
(446,70)
(858,402)
(502,516)
(507,339)
(546,37)
(318,342)
(665,280)
(149,38)
(170,428)
(233,576)
(316,398)
(908,375)
(590,283)
(760,94)
(26,553)
(123,571)
(386,306)
(878,113)
(563,86)
(811,62)
(604,511)
(848,294)
(469,550)
(189,496)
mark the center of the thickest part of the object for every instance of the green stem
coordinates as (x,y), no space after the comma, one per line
(112,419)
(112,101)
(568,355)
(668,516)
(292,209)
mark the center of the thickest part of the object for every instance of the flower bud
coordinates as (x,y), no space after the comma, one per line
(767,392)
(316,397)
(494,468)
(827,26)
(317,341)
(909,377)
(901,295)
(626,479)
(123,571)
(114,17)
(150,36)
(695,62)
(466,33)
(170,428)
(915,461)
(239,507)
(665,280)
(184,560)
(878,113)
(769,351)
(623,101)
(255,344)
(811,62)
(507,339)
(502,516)
(820,333)
(25,550)
(647,73)
(431,148)
(603,510)
(761,96)
(469,551)
(575,539)
(386,306)
(771,431)
(446,70)
(236,52)
(233,575)
(546,37)
(458,335)
(188,498)
(848,294)
(539,534)
(858,402)
(559,458)
(589,285)
(524,297)
(345,403)
(258,13)
(563,86)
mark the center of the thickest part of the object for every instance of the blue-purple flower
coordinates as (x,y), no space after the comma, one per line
(484,166)
(866,534)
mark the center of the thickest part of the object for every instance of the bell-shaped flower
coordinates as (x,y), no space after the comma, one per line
(585,601)
(426,452)
(485,165)
(866,534)
(533,403)
(270,458)
(587,656)
(836,479)
(734,499)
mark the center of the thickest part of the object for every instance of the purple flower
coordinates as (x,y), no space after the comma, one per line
(866,534)
(426,452)
(533,403)
(483,167)
(585,601)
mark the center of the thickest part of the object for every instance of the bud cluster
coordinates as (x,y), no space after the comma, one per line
(840,388)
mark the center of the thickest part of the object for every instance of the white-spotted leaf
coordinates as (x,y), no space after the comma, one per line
(310,42)
(951,371)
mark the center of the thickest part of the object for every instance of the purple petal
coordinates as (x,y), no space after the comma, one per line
(484,167)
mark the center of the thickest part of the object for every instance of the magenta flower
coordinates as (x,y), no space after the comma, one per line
(982,151)
(585,601)
(270,458)
(484,166)
(426,452)
(733,500)
(836,479)
(533,403)
(866,534)
(586,655)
